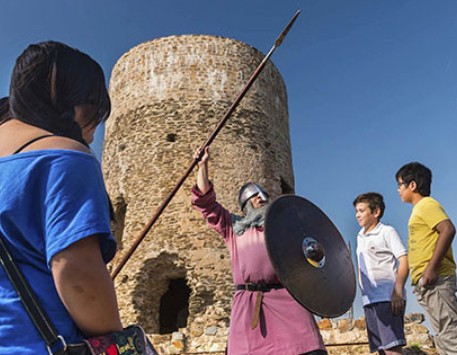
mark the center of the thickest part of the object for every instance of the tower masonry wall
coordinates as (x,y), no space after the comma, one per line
(168,95)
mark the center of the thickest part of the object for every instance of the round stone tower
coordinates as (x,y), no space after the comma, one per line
(168,96)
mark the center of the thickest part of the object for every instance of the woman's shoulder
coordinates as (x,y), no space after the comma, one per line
(59,143)
(69,158)
(20,137)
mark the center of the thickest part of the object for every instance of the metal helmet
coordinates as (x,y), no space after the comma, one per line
(250,190)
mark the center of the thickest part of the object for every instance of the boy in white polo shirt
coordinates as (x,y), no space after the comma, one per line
(383,270)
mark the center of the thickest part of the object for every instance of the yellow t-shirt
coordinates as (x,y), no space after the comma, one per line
(422,239)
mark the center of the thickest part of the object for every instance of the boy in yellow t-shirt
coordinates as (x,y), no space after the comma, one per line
(432,266)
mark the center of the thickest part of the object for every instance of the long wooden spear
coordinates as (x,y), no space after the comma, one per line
(213,135)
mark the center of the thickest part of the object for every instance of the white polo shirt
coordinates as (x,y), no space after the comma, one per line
(377,254)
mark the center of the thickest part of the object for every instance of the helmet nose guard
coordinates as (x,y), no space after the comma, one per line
(250,190)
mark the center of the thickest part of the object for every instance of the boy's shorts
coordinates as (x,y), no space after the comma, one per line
(385,330)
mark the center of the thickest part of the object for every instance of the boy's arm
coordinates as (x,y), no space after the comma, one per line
(446,233)
(398,302)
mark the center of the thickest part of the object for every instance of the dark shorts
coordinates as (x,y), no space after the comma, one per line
(385,330)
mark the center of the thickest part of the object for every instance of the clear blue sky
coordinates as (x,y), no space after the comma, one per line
(371,84)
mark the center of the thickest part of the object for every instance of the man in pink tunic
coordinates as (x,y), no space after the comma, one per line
(265,319)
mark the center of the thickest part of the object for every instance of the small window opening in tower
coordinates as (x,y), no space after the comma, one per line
(174,306)
(286,188)
(171,137)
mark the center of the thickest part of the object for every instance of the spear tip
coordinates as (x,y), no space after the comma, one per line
(286,30)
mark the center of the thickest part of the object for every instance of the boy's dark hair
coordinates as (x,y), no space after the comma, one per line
(373,200)
(418,173)
(4,110)
(49,79)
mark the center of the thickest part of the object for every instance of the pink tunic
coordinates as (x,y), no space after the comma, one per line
(285,327)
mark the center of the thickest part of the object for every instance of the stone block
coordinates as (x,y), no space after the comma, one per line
(345,325)
(178,341)
(360,324)
(325,324)
(211,331)
(196,332)
(414,318)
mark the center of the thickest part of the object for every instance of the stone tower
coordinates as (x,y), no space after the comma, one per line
(168,95)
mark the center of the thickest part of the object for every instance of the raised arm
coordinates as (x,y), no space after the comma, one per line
(202,175)
(446,233)
(204,199)
(85,287)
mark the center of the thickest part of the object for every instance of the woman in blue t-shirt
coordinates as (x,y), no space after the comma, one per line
(54,212)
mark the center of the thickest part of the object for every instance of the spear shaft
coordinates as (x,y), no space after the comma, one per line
(211,138)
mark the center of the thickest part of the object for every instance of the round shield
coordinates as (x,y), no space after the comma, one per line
(309,256)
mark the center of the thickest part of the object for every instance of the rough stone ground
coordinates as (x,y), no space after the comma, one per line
(363,349)
(344,336)
(356,350)
(350,332)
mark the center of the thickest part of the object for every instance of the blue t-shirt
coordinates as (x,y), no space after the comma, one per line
(49,199)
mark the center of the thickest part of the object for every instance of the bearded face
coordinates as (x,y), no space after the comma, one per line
(254,216)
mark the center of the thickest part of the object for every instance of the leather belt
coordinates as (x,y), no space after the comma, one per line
(263,287)
(260,288)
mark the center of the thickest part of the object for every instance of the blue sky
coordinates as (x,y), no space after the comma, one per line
(371,84)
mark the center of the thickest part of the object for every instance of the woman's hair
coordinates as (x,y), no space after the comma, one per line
(4,110)
(49,79)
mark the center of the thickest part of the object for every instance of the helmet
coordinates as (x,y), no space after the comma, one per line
(250,190)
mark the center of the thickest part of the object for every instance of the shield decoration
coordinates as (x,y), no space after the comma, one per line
(310,256)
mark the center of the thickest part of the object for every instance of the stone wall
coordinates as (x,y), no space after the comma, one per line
(168,95)
(348,336)
(341,337)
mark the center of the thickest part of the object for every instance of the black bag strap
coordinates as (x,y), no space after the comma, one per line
(32,141)
(37,314)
